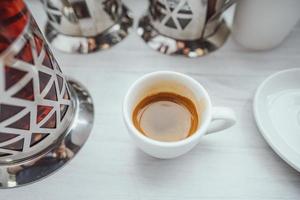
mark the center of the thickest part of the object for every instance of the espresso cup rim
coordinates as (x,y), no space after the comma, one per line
(188,81)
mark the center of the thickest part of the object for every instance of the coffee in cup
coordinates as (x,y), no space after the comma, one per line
(167,113)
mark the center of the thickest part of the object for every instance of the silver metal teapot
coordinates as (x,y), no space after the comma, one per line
(187,27)
(45,118)
(85,26)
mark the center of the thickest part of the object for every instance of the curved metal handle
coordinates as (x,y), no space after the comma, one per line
(226,5)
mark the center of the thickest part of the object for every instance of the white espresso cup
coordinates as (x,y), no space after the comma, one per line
(211,119)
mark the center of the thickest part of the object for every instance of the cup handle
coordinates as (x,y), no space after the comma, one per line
(222,118)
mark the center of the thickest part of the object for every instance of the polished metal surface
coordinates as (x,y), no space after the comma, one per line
(189,48)
(191,28)
(84,26)
(45,118)
(32,98)
(34,169)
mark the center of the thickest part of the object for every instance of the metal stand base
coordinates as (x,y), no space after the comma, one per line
(191,48)
(105,40)
(30,171)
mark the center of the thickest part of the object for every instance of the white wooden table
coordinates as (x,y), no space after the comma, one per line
(233,164)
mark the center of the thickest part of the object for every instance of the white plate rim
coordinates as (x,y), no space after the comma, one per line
(285,156)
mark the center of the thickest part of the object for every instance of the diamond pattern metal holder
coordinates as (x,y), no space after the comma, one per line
(191,28)
(45,118)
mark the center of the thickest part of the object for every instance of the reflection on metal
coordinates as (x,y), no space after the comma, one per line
(45,118)
(81,26)
(34,169)
(191,28)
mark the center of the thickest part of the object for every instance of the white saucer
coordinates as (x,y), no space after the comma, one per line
(277,114)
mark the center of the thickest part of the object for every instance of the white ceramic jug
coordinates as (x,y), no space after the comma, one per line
(264,24)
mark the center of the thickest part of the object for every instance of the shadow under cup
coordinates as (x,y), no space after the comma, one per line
(170,82)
